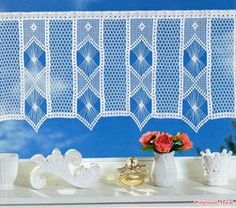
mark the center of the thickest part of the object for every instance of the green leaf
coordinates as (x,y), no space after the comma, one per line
(179,143)
(148,148)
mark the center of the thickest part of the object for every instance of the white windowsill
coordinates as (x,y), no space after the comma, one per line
(107,192)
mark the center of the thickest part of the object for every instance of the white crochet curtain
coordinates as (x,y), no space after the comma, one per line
(146,64)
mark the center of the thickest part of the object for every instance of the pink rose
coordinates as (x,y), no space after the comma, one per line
(147,139)
(163,143)
(187,144)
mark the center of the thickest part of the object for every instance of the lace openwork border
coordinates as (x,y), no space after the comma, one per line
(142,64)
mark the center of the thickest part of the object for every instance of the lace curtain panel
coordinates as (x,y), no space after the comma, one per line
(146,64)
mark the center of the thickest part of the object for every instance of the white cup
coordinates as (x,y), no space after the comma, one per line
(8,170)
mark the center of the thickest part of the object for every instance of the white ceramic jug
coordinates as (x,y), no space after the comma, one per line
(164,172)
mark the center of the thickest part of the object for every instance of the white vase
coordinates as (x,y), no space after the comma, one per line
(216,167)
(8,170)
(164,172)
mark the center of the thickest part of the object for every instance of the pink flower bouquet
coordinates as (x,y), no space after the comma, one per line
(164,142)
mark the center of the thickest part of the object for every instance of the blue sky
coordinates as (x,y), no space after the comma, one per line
(70,5)
(111,137)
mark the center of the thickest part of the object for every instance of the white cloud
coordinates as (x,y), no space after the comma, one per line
(82,4)
(18,136)
(13,137)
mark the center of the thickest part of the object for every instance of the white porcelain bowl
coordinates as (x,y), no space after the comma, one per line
(8,170)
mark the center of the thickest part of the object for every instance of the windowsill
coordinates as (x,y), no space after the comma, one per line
(188,188)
